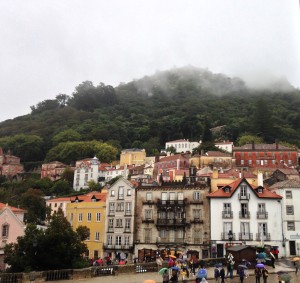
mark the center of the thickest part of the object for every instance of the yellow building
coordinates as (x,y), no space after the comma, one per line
(89,210)
(133,156)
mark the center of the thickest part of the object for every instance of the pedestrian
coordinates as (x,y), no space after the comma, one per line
(184,275)
(166,277)
(296,263)
(222,275)
(174,277)
(202,273)
(265,275)
(217,274)
(272,257)
(241,273)
(257,273)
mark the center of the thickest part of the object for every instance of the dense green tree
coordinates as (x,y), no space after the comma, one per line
(35,205)
(65,136)
(61,188)
(58,247)
(27,147)
(248,139)
(69,152)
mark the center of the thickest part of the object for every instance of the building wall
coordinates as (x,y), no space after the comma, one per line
(75,209)
(273,221)
(130,157)
(149,230)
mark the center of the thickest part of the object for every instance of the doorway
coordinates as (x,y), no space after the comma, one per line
(292,247)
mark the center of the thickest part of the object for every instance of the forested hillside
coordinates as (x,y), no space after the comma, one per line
(147,112)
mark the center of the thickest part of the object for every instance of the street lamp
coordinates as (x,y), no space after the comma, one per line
(230,236)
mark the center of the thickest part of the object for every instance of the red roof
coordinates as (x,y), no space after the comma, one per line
(220,193)
(58,199)
(12,208)
(217,153)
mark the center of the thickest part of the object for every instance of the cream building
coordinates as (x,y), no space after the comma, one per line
(133,156)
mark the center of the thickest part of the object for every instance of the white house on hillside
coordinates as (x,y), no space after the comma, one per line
(182,145)
(243,214)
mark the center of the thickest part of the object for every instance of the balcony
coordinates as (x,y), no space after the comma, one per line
(148,202)
(265,237)
(162,203)
(245,236)
(171,222)
(111,213)
(117,247)
(147,220)
(244,215)
(244,196)
(110,229)
(127,230)
(197,220)
(127,212)
(262,215)
(165,241)
(225,237)
(227,214)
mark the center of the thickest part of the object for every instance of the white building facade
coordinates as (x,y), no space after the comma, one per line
(242,214)
(182,145)
(290,192)
(86,170)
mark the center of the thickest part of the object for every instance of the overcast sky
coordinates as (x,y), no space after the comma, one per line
(48,47)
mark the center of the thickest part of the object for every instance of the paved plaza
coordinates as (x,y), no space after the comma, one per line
(140,277)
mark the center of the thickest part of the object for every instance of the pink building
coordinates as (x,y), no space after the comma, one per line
(53,170)
(10,165)
(12,227)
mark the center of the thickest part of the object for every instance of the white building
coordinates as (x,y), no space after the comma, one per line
(225,145)
(58,203)
(119,224)
(242,214)
(290,192)
(182,145)
(86,170)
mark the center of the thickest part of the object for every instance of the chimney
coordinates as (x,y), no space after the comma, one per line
(260,180)
(240,175)
(215,174)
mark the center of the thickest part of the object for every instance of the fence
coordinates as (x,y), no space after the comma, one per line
(11,277)
(103,270)
(54,275)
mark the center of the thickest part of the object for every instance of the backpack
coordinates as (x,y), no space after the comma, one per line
(202,273)
(217,273)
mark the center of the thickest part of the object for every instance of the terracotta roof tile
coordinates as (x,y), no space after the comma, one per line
(12,208)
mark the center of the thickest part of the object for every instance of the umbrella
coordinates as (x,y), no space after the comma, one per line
(172,256)
(295,258)
(285,277)
(242,266)
(260,265)
(162,271)
(175,268)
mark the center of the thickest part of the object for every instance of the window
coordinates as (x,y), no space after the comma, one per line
(180,196)
(110,223)
(163,233)
(109,239)
(127,223)
(244,210)
(257,162)
(147,235)
(261,208)
(243,190)
(127,240)
(197,195)
(288,194)
(148,196)
(98,216)
(197,213)
(111,207)
(97,236)
(121,193)
(291,226)
(290,210)
(129,192)
(250,162)
(148,214)
(120,206)
(197,236)
(265,162)
(164,196)
(180,234)
(242,162)
(245,230)
(227,207)
(89,217)
(119,223)
(118,240)
(80,217)
(172,196)
(227,226)
(262,229)
(5,230)
(112,193)
(96,254)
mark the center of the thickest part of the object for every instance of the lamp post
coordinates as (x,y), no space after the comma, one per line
(230,236)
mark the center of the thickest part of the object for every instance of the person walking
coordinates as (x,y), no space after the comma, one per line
(166,277)
(265,275)
(217,274)
(241,273)
(257,273)
(174,277)
(222,275)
